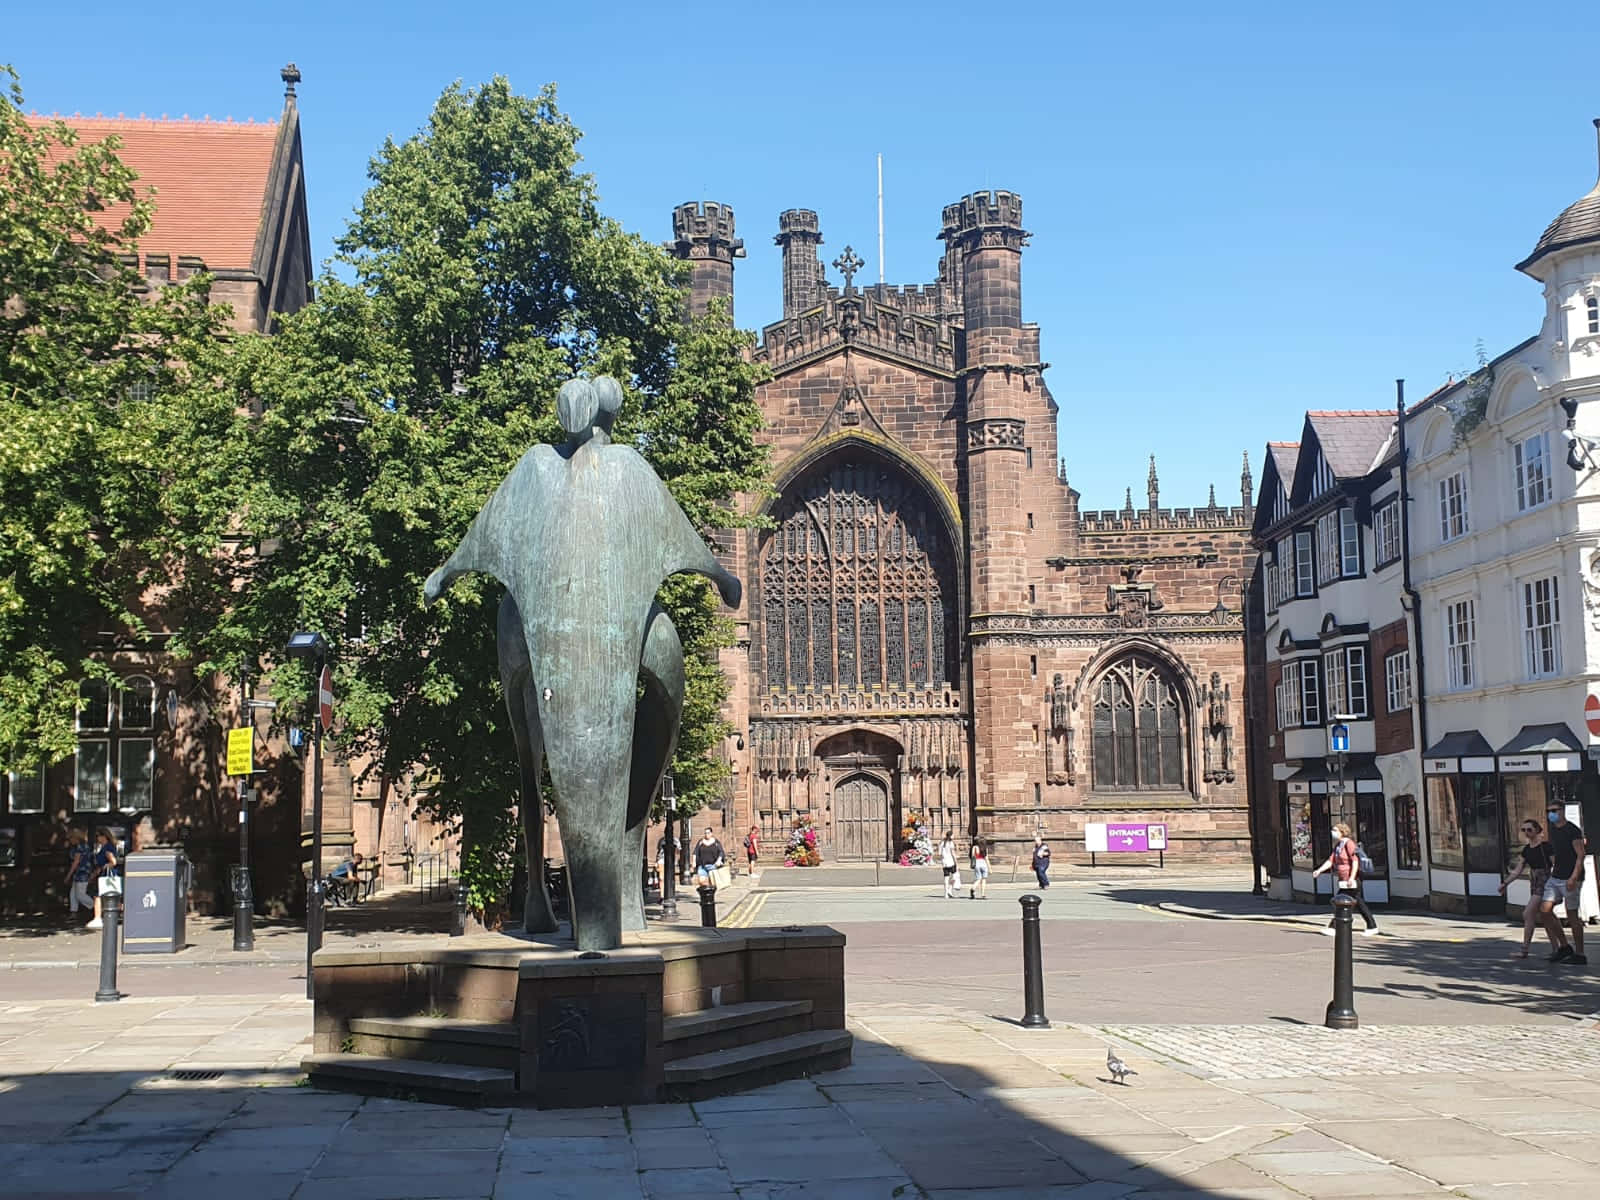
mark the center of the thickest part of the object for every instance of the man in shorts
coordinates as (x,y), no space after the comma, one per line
(1565,884)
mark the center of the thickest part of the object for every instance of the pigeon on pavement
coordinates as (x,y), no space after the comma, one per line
(1119,1069)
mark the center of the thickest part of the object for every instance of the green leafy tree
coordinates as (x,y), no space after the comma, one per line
(481,274)
(99,381)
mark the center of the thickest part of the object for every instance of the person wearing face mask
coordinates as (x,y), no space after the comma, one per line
(1537,859)
(1345,862)
(1567,847)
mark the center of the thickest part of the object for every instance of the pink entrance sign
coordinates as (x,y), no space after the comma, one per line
(1127,839)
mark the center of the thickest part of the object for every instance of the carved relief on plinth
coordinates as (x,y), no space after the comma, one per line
(1216,731)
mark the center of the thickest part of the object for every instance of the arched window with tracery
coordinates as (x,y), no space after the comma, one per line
(1138,735)
(857,583)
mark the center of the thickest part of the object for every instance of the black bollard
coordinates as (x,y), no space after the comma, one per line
(459,920)
(669,874)
(110,912)
(708,908)
(1032,967)
(1342,1008)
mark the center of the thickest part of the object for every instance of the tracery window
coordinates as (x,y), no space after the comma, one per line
(857,583)
(1138,729)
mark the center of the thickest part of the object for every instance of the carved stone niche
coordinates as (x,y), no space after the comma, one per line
(1059,760)
(1216,731)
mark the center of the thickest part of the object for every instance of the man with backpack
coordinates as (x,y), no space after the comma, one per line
(1348,861)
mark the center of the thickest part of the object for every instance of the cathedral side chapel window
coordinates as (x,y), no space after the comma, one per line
(1138,742)
(857,584)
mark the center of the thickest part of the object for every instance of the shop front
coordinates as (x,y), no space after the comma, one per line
(1319,795)
(1466,821)
(1541,766)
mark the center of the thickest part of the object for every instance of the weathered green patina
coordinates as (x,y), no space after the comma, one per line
(582,535)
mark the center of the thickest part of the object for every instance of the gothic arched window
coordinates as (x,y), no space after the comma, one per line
(1138,729)
(857,583)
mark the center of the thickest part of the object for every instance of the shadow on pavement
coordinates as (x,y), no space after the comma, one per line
(1475,968)
(958,1123)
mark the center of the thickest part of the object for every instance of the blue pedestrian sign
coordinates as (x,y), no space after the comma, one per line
(1340,739)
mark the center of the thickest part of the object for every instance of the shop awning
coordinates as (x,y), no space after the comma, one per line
(1361,774)
(1459,744)
(1542,748)
(1356,766)
(1543,739)
(1460,750)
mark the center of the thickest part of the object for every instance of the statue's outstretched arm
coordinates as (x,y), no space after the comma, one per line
(690,552)
(482,547)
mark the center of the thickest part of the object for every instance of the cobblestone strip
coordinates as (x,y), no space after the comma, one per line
(1289,1051)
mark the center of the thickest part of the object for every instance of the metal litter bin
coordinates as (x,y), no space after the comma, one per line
(155,901)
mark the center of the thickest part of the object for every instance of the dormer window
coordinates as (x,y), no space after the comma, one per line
(1592,307)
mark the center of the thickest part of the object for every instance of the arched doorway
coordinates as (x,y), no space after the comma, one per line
(860,818)
(863,769)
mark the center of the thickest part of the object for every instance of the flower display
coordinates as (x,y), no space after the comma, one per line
(802,848)
(917,845)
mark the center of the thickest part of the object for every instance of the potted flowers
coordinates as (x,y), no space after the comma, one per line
(802,848)
(917,845)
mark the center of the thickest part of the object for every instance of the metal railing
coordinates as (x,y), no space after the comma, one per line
(433,873)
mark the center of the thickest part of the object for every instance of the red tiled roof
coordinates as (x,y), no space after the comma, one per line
(210,179)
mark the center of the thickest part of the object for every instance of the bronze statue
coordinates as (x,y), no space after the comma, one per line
(583,535)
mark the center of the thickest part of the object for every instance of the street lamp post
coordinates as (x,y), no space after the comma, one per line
(244,904)
(1339,745)
(313,646)
(669,856)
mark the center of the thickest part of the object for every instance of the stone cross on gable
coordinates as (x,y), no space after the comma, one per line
(847,264)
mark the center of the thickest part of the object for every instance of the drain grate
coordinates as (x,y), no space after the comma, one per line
(196,1076)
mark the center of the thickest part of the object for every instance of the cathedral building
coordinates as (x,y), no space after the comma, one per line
(933,627)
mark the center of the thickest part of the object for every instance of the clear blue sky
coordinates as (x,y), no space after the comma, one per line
(1239,211)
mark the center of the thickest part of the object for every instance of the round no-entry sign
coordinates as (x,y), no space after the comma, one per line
(1591,713)
(325,699)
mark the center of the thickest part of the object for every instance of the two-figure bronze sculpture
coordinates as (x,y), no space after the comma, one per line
(582,535)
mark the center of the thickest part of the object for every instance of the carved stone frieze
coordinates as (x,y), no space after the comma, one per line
(996,433)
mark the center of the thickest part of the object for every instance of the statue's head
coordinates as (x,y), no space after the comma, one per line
(608,395)
(576,406)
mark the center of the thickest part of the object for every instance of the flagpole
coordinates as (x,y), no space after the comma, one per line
(880,218)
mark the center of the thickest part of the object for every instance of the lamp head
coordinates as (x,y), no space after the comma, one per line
(307,645)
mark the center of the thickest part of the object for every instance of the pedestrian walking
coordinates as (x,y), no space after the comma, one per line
(708,857)
(1041,860)
(80,863)
(752,848)
(947,860)
(102,865)
(1345,862)
(1565,885)
(1537,859)
(980,870)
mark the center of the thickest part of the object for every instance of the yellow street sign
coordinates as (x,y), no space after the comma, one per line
(241,746)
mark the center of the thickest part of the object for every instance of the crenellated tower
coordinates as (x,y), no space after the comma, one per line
(799,235)
(985,229)
(703,236)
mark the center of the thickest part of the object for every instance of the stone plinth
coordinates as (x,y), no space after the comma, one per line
(590,1029)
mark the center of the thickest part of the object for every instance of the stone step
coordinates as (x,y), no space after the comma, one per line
(730,1016)
(438,1040)
(732,1025)
(738,1068)
(439,1083)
